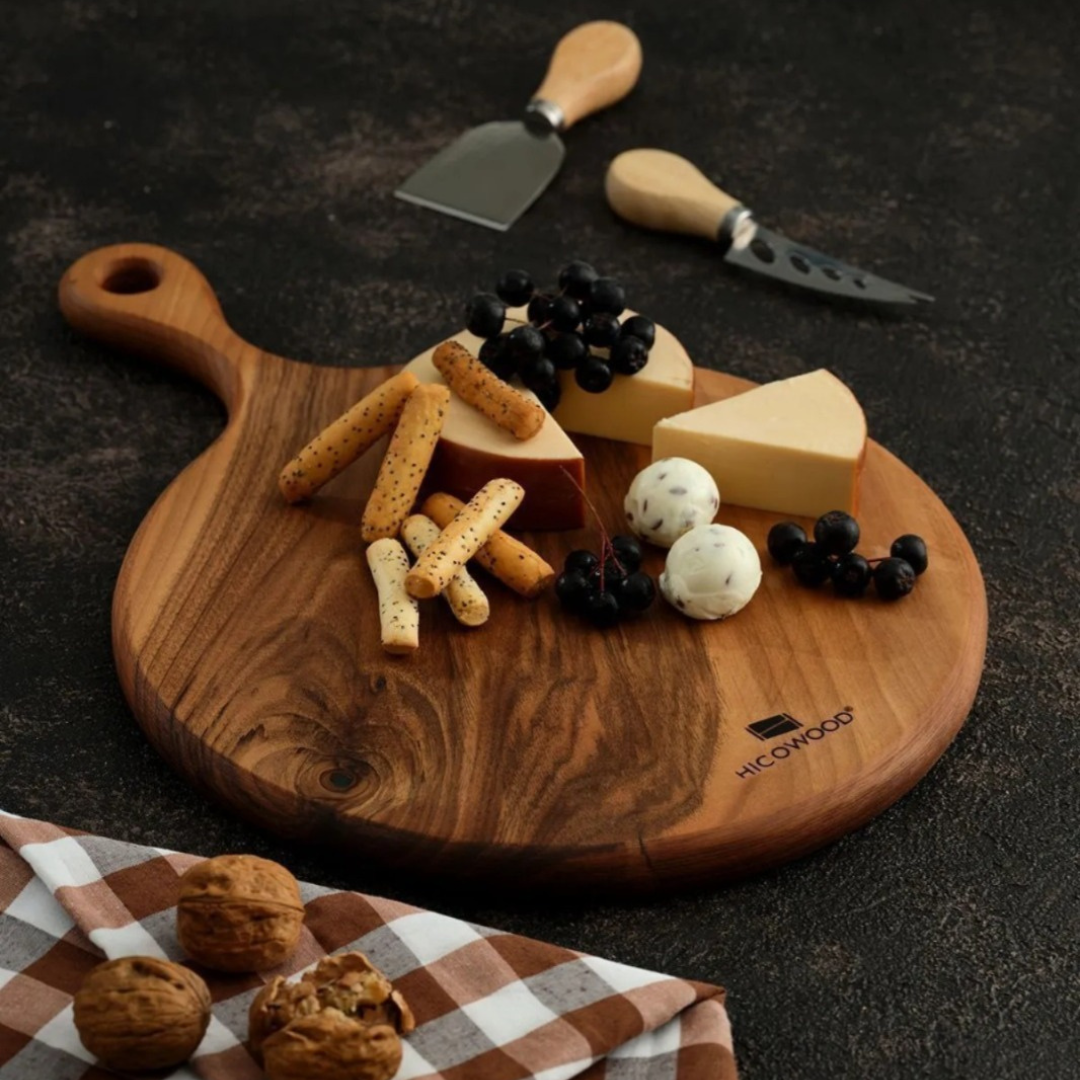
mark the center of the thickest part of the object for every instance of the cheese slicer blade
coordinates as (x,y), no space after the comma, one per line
(495,172)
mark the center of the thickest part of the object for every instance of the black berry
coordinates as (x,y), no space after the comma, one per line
(537,372)
(601,609)
(498,358)
(515,287)
(575,279)
(893,578)
(836,532)
(640,327)
(580,560)
(851,575)
(601,329)
(525,343)
(539,309)
(565,313)
(912,549)
(628,551)
(629,355)
(566,351)
(614,572)
(785,539)
(485,314)
(573,589)
(634,593)
(593,375)
(550,394)
(607,295)
(811,565)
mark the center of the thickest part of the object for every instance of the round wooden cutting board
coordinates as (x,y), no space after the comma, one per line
(534,748)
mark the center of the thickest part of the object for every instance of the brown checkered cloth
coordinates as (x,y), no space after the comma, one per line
(488,1005)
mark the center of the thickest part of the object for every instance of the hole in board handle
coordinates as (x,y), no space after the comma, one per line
(130,276)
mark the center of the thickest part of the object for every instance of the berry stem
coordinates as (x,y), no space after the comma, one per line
(606,549)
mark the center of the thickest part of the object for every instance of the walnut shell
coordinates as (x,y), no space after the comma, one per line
(347,983)
(329,1045)
(239,913)
(140,1012)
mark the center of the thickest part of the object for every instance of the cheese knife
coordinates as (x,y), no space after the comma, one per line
(494,173)
(660,190)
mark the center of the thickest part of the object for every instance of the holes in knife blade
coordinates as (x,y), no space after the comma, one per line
(860,283)
(831,273)
(799,263)
(761,250)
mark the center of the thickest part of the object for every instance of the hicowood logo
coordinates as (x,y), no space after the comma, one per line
(772,727)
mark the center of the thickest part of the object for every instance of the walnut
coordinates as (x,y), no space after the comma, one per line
(348,986)
(140,1012)
(239,913)
(329,1045)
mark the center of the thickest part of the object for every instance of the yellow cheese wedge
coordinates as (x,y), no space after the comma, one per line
(794,446)
(473,450)
(628,410)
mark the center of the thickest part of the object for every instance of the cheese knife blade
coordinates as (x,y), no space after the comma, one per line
(660,190)
(492,174)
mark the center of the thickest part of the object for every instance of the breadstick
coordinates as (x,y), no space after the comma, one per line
(346,438)
(515,565)
(407,459)
(399,613)
(466,599)
(463,537)
(486,392)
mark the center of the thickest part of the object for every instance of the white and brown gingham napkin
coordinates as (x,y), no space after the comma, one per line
(488,1005)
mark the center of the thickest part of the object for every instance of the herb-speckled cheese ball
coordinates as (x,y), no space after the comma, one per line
(711,572)
(670,497)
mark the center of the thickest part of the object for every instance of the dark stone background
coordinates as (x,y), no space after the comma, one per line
(934,142)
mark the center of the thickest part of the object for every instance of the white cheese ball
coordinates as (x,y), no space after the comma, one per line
(711,572)
(670,497)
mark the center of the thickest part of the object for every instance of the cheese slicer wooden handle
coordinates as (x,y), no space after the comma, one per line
(146,299)
(660,190)
(594,66)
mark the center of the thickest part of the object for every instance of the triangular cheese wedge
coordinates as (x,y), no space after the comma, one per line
(473,450)
(794,446)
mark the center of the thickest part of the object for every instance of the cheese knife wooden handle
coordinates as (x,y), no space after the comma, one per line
(660,190)
(593,66)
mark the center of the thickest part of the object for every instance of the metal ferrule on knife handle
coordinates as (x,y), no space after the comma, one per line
(544,117)
(736,228)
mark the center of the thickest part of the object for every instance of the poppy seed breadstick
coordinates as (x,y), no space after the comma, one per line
(346,438)
(517,566)
(463,537)
(466,599)
(481,388)
(406,462)
(399,613)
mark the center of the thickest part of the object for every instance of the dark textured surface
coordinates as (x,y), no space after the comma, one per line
(931,142)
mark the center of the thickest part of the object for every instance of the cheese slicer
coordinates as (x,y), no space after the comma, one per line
(660,190)
(495,172)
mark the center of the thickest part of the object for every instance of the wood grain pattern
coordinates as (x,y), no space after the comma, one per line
(594,66)
(660,190)
(533,748)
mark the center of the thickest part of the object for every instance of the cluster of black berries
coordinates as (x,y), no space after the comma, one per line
(575,329)
(606,587)
(831,556)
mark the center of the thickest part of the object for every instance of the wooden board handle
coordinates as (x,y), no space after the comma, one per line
(660,190)
(593,66)
(149,300)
